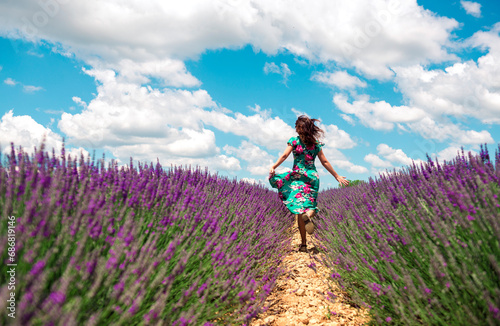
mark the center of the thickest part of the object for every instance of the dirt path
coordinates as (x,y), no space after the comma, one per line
(300,296)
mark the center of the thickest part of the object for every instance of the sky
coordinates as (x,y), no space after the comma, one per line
(219,84)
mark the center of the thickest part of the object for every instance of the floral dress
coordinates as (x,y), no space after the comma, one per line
(298,189)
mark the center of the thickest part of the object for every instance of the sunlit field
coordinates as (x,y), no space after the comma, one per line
(420,246)
(99,244)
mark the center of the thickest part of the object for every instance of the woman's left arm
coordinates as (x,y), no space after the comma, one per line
(281,159)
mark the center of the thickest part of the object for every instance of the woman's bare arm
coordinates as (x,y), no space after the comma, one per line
(281,159)
(329,167)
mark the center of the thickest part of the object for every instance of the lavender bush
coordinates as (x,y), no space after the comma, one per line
(420,246)
(104,245)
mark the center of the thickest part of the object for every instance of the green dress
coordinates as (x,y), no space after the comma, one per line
(298,189)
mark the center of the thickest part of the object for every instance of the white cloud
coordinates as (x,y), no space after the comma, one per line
(192,143)
(25,132)
(446,131)
(253,181)
(368,35)
(125,113)
(263,113)
(379,115)
(283,70)
(147,153)
(31,89)
(271,133)
(463,89)
(340,79)
(348,118)
(376,161)
(448,153)
(9,81)
(434,97)
(35,54)
(337,138)
(393,155)
(79,101)
(26,88)
(258,160)
(141,122)
(472,8)
(349,166)
(271,68)
(170,72)
(338,160)
(388,159)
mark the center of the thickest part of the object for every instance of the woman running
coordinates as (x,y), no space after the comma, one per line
(298,189)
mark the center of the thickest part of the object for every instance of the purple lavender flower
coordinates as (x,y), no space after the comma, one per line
(57,297)
(37,268)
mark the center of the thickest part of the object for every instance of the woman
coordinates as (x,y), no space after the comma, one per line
(298,189)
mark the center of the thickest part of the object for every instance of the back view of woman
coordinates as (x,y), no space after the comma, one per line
(299,188)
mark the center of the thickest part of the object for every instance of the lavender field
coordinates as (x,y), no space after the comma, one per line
(99,245)
(421,246)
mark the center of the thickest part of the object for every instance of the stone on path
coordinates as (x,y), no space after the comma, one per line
(299,297)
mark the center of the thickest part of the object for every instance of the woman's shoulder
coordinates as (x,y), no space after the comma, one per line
(293,140)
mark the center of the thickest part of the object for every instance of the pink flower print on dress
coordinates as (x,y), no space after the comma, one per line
(309,157)
(299,149)
(311,199)
(287,177)
(279,183)
(298,195)
(311,148)
(294,143)
(307,190)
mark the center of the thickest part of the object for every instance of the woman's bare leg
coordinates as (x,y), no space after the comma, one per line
(302,228)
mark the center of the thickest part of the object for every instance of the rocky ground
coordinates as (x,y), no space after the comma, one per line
(301,294)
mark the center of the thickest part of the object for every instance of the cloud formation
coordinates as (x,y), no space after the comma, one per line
(378,115)
(24,131)
(339,79)
(370,36)
(129,44)
(9,81)
(26,88)
(258,160)
(471,7)
(283,70)
(132,120)
(435,97)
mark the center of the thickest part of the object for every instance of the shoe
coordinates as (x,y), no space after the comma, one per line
(303,248)
(306,217)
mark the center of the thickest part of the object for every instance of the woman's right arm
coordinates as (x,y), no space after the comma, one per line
(322,158)
(282,158)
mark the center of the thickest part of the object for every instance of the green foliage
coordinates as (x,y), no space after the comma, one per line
(353,183)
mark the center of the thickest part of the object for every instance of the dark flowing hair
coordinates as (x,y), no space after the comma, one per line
(308,132)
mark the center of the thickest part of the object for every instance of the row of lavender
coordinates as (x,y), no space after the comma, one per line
(103,245)
(420,246)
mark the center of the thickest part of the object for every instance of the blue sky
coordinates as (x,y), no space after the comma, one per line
(220,84)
